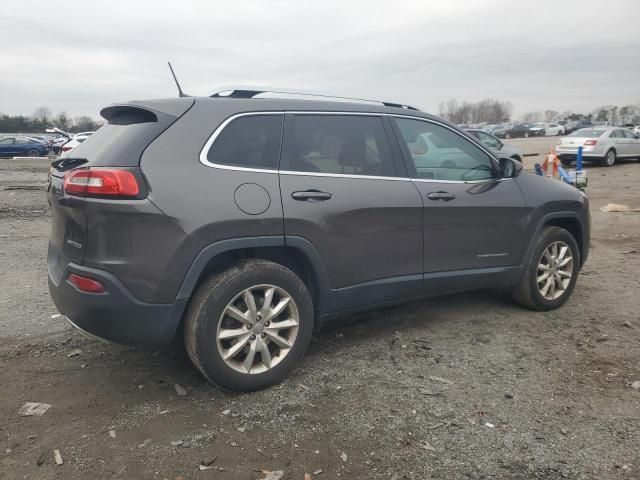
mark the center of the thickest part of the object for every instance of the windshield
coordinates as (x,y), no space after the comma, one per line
(587,132)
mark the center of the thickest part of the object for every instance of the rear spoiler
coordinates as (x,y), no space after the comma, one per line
(146,111)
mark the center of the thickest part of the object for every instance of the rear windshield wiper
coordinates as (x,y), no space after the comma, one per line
(68,163)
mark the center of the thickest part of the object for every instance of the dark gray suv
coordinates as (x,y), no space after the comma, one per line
(246,222)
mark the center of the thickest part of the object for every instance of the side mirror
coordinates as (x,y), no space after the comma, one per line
(510,168)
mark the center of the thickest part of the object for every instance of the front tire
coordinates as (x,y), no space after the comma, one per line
(552,271)
(247,327)
(33,153)
(526,135)
(610,158)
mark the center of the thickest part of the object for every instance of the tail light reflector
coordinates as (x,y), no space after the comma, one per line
(101,182)
(66,149)
(86,284)
(591,142)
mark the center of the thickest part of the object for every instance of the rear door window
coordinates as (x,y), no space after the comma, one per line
(337,144)
(487,140)
(251,141)
(627,134)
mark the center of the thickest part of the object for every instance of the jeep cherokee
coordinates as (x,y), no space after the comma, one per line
(245,222)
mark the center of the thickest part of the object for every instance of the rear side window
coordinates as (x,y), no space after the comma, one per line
(587,132)
(338,144)
(252,141)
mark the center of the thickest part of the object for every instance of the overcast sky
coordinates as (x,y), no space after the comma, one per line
(79,56)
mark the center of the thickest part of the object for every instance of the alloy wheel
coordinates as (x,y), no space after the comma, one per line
(555,270)
(257,329)
(611,157)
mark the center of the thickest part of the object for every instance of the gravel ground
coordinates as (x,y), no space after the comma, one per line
(467,386)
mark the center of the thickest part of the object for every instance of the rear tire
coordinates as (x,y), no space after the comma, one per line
(530,290)
(218,320)
(609,159)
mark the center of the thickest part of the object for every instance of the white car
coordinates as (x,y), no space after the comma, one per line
(76,140)
(600,144)
(553,129)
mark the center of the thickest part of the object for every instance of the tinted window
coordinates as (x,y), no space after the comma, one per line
(616,134)
(487,140)
(587,132)
(252,141)
(7,141)
(344,144)
(628,134)
(441,154)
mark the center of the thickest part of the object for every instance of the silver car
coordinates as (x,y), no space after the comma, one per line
(599,144)
(493,143)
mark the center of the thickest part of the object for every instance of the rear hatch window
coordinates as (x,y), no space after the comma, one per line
(128,131)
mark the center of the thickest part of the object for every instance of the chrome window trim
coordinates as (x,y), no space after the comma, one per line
(207,146)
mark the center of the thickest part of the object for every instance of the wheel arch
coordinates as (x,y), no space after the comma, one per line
(570,221)
(573,226)
(296,253)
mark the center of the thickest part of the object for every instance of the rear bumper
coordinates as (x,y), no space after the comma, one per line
(115,315)
(574,156)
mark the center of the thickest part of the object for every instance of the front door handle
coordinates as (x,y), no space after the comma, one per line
(444,196)
(311,196)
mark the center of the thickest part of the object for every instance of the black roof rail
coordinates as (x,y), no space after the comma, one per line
(252,92)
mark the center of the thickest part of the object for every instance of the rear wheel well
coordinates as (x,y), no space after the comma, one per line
(291,258)
(571,225)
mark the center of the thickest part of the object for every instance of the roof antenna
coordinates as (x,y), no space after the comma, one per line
(180,92)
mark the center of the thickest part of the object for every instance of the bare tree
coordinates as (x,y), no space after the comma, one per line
(550,115)
(85,124)
(488,110)
(62,121)
(531,117)
(42,116)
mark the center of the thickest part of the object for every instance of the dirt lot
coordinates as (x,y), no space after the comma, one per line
(464,387)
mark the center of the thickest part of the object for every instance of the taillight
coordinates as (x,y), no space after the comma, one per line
(66,149)
(101,182)
(591,142)
(86,284)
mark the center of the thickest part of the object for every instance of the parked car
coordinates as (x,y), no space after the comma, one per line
(574,125)
(493,143)
(601,144)
(537,129)
(553,129)
(22,146)
(514,131)
(76,140)
(207,215)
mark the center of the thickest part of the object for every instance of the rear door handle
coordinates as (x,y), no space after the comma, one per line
(445,196)
(311,196)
